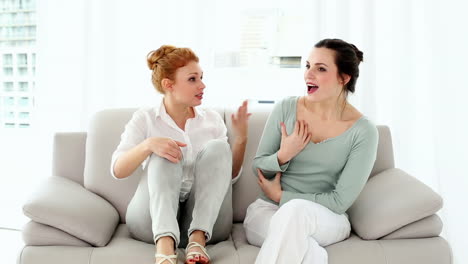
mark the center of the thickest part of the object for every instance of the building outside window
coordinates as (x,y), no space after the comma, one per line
(23,86)
(17,62)
(8,86)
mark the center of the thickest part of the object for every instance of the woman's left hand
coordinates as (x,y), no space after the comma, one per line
(272,189)
(240,121)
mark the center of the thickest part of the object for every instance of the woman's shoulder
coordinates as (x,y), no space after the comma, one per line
(289,101)
(210,114)
(366,129)
(145,112)
(286,106)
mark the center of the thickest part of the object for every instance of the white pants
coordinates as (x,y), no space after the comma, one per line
(295,233)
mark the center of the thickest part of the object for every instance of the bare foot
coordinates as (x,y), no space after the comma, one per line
(200,258)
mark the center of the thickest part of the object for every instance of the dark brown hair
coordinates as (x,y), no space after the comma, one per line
(347,59)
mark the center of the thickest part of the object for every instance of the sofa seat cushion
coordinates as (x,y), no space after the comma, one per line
(390,200)
(430,226)
(35,234)
(123,249)
(355,250)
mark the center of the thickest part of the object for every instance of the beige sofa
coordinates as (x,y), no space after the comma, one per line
(77,215)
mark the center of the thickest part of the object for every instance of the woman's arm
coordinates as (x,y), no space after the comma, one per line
(276,147)
(352,179)
(240,122)
(238,152)
(266,158)
(135,147)
(129,161)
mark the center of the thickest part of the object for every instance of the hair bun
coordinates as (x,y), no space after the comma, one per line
(154,56)
(359,53)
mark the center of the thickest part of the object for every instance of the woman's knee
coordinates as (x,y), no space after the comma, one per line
(292,211)
(160,166)
(217,148)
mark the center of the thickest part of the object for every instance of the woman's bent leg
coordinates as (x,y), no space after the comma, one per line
(155,203)
(138,216)
(222,227)
(257,220)
(213,168)
(292,227)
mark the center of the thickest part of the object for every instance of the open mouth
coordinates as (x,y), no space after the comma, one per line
(311,88)
(199,96)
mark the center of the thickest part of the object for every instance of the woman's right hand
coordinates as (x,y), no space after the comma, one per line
(294,143)
(166,148)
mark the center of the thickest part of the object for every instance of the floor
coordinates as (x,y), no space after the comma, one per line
(11,243)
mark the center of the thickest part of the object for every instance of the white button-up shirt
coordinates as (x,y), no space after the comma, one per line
(155,122)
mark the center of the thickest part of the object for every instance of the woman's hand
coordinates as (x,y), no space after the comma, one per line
(240,121)
(292,144)
(272,189)
(166,148)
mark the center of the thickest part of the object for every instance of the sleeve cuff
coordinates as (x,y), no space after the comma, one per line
(283,167)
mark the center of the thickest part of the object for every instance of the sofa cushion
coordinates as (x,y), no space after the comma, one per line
(123,249)
(384,159)
(430,226)
(35,234)
(247,253)
(389,201)
(102,139)
(356,250)
(66,205)
(432,250)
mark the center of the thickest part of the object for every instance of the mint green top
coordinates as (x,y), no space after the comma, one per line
(331,173)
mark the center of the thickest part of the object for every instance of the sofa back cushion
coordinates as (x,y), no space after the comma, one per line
(107,126)
(103,137)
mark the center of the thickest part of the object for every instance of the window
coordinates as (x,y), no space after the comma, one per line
(7,59)
(8,71)
(10,114)
(22,71)
(22,59)
(8,86)
(9,125)
(23,115)
(23,86)
(9,101)
(23,101)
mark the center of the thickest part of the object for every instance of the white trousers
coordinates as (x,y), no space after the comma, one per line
(296,232)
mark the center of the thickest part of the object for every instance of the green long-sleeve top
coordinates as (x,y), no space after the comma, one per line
(331,173)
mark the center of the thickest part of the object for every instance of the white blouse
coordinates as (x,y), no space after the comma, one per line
(155,122)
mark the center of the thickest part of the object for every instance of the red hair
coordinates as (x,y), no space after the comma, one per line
(165,61)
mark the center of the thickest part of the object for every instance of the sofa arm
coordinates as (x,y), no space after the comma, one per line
(390,200)
(66,205)
(69,155)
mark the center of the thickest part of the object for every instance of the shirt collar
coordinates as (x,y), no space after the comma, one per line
(161,111)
